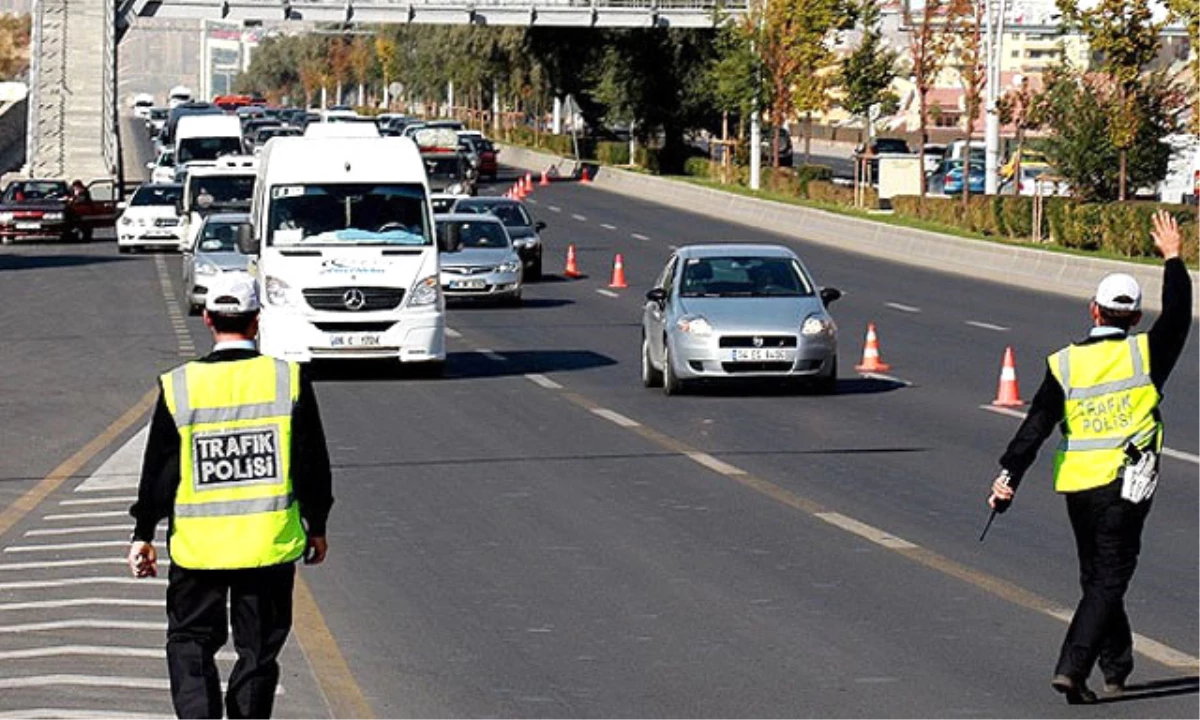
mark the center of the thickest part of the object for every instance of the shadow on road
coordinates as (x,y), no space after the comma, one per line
(471,304)
(746,387)
(1156,689)
(41,262)
(460,366)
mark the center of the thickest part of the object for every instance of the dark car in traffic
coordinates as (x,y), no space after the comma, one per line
(52,210)
(521,227)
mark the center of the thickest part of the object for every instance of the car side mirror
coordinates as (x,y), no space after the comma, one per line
(540,225)
(151,166)
(828,295)
(246,242)
(449,241)
(657,295)
(122,205)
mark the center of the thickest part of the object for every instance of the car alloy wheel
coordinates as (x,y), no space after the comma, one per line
(672,385)
(651,377)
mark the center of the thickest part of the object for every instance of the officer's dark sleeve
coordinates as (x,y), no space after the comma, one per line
(1170,331)
(1045,411)
(312,480)
(160,473)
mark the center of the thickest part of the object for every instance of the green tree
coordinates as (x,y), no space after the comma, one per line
(1188,13)
(972,72)
(867,72)
(362,62)
(929,42)
(387,54)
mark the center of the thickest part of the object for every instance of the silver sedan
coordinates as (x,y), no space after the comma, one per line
(738,311)
(484,265)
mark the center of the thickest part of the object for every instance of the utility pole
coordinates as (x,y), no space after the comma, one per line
(756,111)
(994,37)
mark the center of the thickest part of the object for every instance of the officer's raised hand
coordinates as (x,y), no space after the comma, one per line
(1166,234)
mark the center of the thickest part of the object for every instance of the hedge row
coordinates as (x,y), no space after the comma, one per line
(1121,229)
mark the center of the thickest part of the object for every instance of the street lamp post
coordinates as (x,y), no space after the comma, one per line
(994,34)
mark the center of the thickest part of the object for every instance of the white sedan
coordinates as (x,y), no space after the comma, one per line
(151,219)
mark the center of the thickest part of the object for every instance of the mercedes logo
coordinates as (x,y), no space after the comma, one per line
(354,299)
(758,342)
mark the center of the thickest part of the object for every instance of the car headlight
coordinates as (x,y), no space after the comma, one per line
(817,325)
(6,217)
(52,216)
(509,267)
(427,291)
(278,292)
(206,268)
(456,189)
(696,325)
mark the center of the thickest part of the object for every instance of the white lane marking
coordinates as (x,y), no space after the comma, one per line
(96,650)
(122,470)
(987,326)
(77,602)
(874,534)
(491,354)
(553,208)
(902,308)
(100,501)
(1150,648)
(452,333)
(606,226)
(883,376)
(580,218)
(87,515)
(531,201)
(639,236)
(81,562)
(82,529)
(673,247)
(73,582)
(543,381)
(607,293)
(616,417)
(133,683)
(714,464)
(84,623)
(78,714)
(1169,452)
(66,546)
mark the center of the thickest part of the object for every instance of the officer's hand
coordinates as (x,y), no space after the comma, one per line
(1166,234)
(1002,493)
(314,554)
(143,560)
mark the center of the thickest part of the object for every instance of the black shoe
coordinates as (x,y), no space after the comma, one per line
(1076,692)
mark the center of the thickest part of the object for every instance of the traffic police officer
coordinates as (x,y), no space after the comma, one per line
(236,458)
(1104,391)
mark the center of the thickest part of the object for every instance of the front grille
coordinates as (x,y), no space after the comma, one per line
(748,341)
(333,299)
(469,269)
(756,367)
(343,327)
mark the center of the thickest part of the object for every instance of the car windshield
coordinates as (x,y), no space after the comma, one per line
(348,214)
(474,234)
(150,195)
(208,148)
(36,191)
(221,192)
(742,276)
(219,237)
(511,214)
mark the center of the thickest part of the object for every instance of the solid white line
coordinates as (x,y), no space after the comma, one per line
(87,515)
(100,501)
(606,226)
(615,417)
(133,683)
(76,602)
(553,208)
(543,381)
(903,308)
(875,535)
(66,546)
(1169,452)
(452,333)
(607,293)
(1181,455)
(714,464)
(491,354)
(987,326)
(96,650)
(82,562)
(78,714)
(580,218)
(639,236)
(72,582)
(78,530)
(84,623)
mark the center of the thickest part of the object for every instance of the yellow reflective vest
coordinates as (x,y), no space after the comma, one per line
(1110,402)
(234,506)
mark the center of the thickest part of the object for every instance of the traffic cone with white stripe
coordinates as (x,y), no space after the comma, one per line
(545,181)
(583,176)
(572,270)
(871,360)
(618,273)
(528,188)
(1008,394)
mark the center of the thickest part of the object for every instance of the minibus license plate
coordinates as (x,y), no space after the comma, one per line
(354,340)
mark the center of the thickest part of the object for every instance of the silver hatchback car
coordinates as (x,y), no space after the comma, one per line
(215,252)
(729,310)
(485,265)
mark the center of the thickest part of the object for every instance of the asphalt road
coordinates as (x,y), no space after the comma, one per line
(536,535)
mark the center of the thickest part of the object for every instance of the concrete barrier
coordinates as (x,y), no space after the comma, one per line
(1015,265)
(14,117)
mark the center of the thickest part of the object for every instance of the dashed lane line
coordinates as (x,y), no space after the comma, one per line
(606,226)
(452,333)
(580,218)
(1018,414)
(491,354)
(717,466)
(553,208)
(615,417)
(874,534)
(638,236)
(183,339)
(607,293)
(543,381)
(987,326)
(885,377)
(902,308)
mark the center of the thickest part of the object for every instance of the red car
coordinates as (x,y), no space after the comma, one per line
(51,210)
(484,150)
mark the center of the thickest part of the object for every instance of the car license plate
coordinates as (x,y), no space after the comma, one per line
(29,226)
(468,284)
(354,340)
(759,355)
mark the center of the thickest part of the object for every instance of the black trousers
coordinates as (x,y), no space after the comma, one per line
(1108,538)
(260,603)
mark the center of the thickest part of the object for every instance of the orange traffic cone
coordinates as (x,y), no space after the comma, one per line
(1008,394)
(618,274)
(545,181)
(871,361)
(519,191)
(528,183)
(583,177)
(572,270)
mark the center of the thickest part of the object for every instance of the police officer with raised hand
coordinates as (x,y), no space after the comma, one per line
(236,458)
(1105,390)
